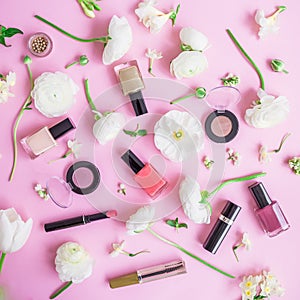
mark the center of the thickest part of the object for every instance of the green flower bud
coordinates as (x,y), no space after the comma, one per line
(83,60)
(277,65)
(200,92)
(27,60)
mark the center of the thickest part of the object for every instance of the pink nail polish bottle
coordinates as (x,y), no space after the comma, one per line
(145,175)
(45,139)
(269,213)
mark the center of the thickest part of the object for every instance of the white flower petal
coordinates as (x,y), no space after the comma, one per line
(141,220)
(54,94)
(193,38)
(178,149)
(190,197)
(108,127)
(269,113)
(188,64)
(121,39)
(73,263)
(14,232)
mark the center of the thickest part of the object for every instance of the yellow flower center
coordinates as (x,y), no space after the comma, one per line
(248,293)
(178,135)
(248,284)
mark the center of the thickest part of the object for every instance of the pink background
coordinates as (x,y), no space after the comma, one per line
(29,274)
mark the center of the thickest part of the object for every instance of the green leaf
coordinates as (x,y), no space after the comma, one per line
(27,108)
(9,32)
(171,223)
(96,7)
(29,103)
(2,28)
(183,225)
(1,76)
(2,41)
(142,132)
(129,132)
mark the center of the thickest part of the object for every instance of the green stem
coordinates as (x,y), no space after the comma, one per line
(89,98)
(281,143)
(2,260)
(17,122)
(70,65)
(188,253)
(182,98)
(137,253)
(238,179)
(103,39)
(262,82)
(62,289)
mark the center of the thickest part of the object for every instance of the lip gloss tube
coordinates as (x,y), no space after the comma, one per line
(221,227)
(149,274)
(145,175)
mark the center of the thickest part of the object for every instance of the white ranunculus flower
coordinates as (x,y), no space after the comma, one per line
(193,38)
(151,17)
(269,112)
(120,33)
(188,64)
(190,197)
(178,135)
(107,127)
(54,94)
(14,232)
(73,263)
(141,220)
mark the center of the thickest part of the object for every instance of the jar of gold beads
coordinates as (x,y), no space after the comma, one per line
(40,44)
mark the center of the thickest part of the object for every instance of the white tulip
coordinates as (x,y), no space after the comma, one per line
(188,64)
(14,232)
(120,33)
(193,38)
(268,112)
(107,127)
(141,220)
(190,197)
(54,94)
(73,263)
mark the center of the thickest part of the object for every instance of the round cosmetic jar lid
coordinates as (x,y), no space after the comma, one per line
(40,44)
(221,126)
(221,97)
(82,178)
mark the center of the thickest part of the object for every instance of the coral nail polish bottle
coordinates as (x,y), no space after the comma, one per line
(269,213)
(145,175)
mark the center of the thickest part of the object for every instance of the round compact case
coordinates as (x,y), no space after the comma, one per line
(222,126)
(82,178)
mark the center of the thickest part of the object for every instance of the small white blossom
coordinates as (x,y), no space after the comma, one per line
(246,241)
(264,155)
(5,83)
(234,157)
(42,192)
(151,17)
(74,147)
(153,55)
(117,249)
(268,25)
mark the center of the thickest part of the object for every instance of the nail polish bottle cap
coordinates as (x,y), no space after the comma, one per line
(231,211)
(132,161)
(61,128)
(260,194)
